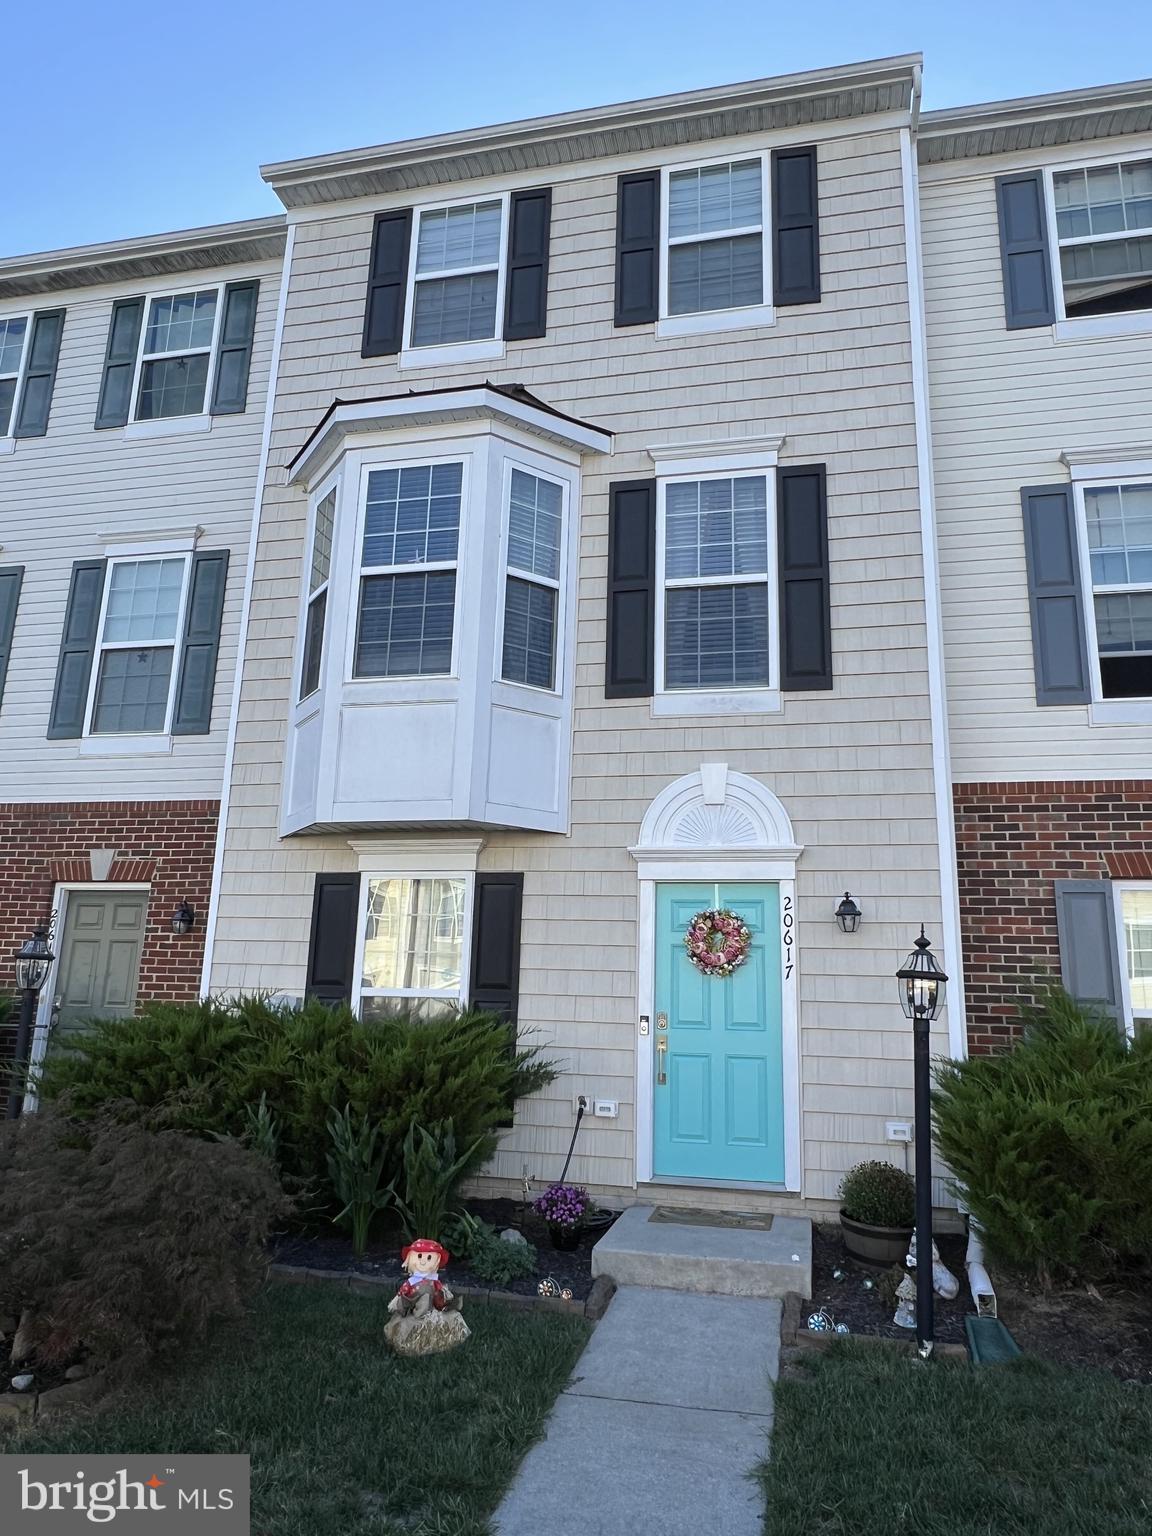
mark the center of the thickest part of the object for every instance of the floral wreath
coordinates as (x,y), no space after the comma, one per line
(717,942)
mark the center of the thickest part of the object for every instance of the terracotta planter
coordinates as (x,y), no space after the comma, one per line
(566,1239)
(882,1246)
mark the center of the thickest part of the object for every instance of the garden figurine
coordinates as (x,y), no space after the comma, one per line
(425,1316)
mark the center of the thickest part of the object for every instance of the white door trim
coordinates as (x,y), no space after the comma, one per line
(60,894)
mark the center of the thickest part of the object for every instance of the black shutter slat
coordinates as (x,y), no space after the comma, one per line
(11,579)
(637,248)
(387,284)
(526,302)
(201,644)
(804,578)
(120,363)
(795,226)
(1028,299)
(40,375)
(1059,635)
(77,649)
(234,359)
(631,589)
(1089,953)
(496,912)
(332,939)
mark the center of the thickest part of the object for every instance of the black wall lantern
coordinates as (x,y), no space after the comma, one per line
(33,962)
(922,985)
(848,915)
(183,918)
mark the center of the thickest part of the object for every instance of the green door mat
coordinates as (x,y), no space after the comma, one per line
(989,1342)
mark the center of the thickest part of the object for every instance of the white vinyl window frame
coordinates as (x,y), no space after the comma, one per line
(1133,1017)
(7,440)
(717,701)
(434,454)
(744,316)
(137,740)
(308,596)
(459,998)
(1104,711)
(447,353)
(560,586)
(158,425)
(1137,322)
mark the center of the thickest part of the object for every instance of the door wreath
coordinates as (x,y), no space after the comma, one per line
(717,942)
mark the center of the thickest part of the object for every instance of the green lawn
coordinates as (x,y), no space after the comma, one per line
(346,1439)
(869,1441)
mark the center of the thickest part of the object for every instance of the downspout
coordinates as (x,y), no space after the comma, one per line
(978,1280)
(245,617)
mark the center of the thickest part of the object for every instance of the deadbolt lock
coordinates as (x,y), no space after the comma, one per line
(661,1021)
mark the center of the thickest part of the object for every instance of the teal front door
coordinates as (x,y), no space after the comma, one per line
(718,1066)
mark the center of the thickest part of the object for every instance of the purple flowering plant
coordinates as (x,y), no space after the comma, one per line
(562,1205)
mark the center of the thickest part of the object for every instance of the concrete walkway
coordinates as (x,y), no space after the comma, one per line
(668,1413)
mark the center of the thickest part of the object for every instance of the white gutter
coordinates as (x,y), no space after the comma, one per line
(245,619)
(937,702)
(917,96)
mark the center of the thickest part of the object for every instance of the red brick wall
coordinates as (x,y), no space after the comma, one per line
(1013,841)
(168,844)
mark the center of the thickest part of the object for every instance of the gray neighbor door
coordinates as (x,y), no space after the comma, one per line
(100,958)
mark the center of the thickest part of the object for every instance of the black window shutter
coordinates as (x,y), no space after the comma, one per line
(40,377)
(637,247)
(1059,643)
(631,589)
(804,583)
(201,644)
(1089,954)
(387,284)
(77,648)
(11,577)
(1027,271)
(120,363)
(230,391)
(332,940)
(496,909)
(795,226)
(526,303)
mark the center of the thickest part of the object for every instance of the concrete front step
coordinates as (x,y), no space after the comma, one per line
(725,1261)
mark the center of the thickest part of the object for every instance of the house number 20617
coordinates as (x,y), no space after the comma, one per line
(788,934)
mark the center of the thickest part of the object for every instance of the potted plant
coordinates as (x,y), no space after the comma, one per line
(563,1207)
(877,1213)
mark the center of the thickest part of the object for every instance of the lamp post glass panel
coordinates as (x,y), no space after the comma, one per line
(922,985)
(33,962)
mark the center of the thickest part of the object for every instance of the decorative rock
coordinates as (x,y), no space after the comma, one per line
(428,1335)
(70,1394)
(23,1382)
(16,1405)
(76,1373)
(22,1345)
(839,1274)
(510,1235)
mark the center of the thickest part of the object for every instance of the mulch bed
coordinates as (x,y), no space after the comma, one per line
(1109,1327)
(869,1312)
(331,1250)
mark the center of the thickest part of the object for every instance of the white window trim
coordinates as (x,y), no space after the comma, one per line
(468,876)
(560,587)
(432,453)
(1102,711)
(163,426)
(1130,1014)
(8,438)
(1087,327)
(328,487)
(718,701)
(717,319)
(445,354)
(99,743)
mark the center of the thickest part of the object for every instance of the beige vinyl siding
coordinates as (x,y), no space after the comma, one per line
(65,495)
(853,766)
(1005,405)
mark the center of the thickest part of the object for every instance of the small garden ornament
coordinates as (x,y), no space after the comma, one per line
(426,1317)
(944,1282)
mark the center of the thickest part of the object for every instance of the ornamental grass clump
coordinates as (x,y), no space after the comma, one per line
(563,1205)
(878,1195)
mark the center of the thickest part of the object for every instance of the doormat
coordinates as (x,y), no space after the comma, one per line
(687,1216)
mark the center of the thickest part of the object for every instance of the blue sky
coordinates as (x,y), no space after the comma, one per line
(129,118)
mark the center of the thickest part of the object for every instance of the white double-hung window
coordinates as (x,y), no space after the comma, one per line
(456,282)
(13,348)
(319,570)
(532,588)
(1135,912)
(413,945)
(134,678)
(176,354)
(1103,216)
(715,252)
(1117,530)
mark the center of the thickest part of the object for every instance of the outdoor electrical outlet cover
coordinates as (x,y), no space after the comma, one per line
(607,1109)
(898,1130)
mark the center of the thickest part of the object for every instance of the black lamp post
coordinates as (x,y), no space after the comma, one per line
(33,961)
(922,984)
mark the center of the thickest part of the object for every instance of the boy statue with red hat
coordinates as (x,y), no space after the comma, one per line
(425,1314)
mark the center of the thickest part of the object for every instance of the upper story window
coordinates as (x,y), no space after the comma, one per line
(408,571)
(532,585)
(176,354)
(133,681)
(319,570)
(715,254)
(457,274)
(1103,216)
(413,946)
(1118,528)
(13,342)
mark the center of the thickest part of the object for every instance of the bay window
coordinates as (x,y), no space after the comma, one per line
(532,585)
(319,570)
